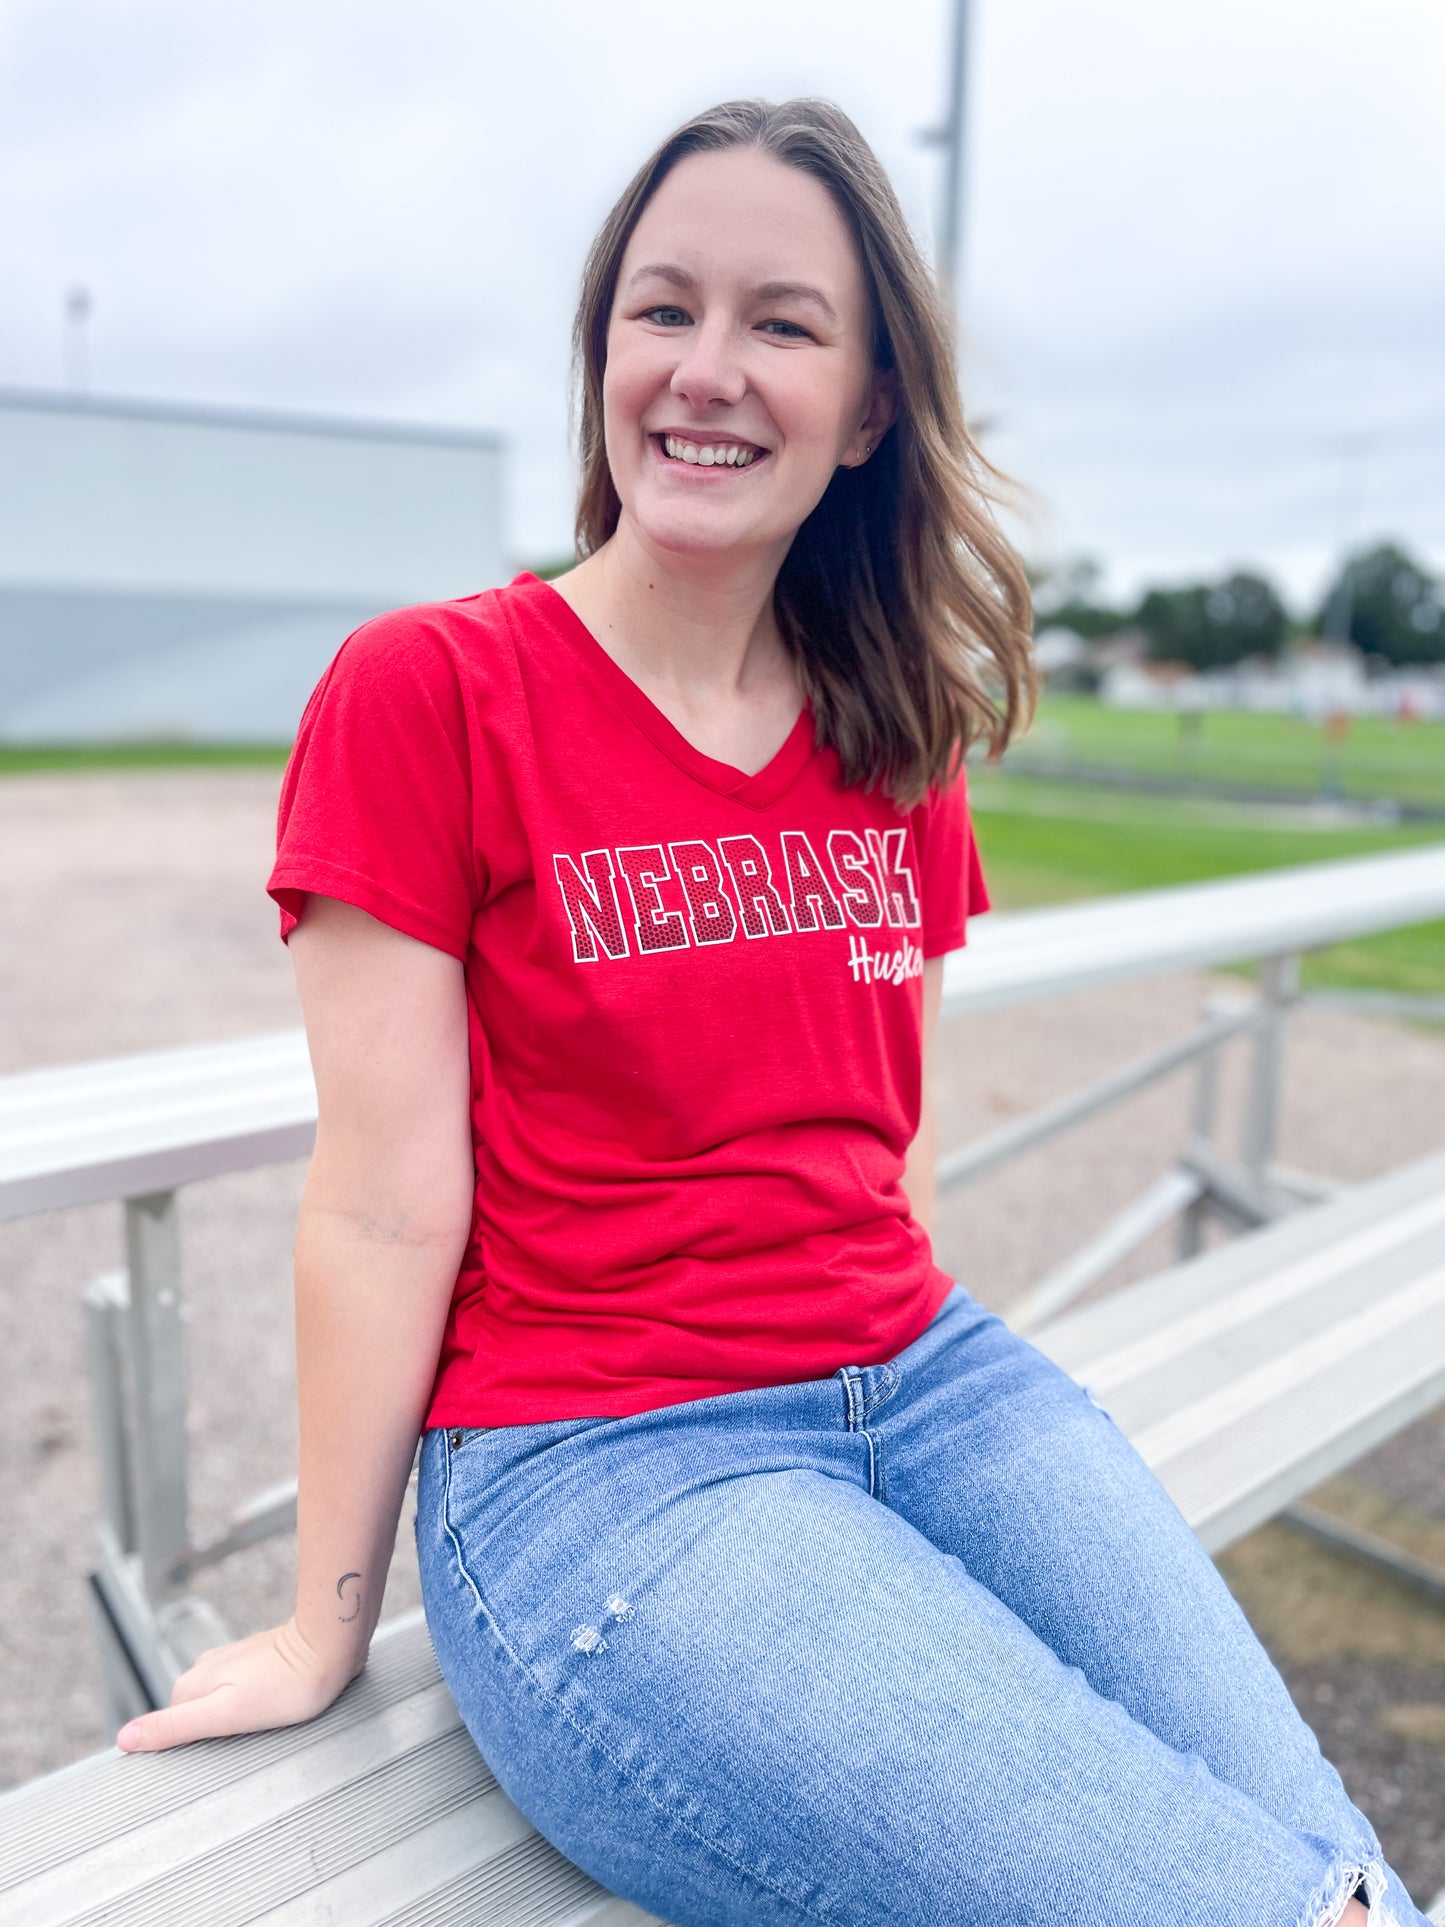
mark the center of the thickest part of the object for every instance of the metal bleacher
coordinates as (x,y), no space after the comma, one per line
(1244,1374)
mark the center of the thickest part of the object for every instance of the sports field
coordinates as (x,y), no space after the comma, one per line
(1377,757)
(1044,842)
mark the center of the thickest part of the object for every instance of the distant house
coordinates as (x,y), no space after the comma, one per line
(1066,660)
(172,572)
(1319,677)
(1312,679)
(1058,647)
(1134,682)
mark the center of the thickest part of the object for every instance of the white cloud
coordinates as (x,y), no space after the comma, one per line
(1200,237)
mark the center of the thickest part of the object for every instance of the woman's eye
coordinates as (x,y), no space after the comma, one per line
(666,317)
(792,328)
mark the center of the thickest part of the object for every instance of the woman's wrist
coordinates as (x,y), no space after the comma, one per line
(333,1645)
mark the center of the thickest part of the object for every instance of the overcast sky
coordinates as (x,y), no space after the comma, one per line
(1203,257)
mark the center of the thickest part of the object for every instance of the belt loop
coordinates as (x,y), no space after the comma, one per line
(876,1385)
(852,1376)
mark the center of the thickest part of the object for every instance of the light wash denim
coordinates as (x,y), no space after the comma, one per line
(923,1642)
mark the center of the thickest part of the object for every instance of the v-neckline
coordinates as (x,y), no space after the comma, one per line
(757,791)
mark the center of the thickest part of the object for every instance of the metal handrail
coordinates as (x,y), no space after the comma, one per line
(127,1126)
(1029,954)
(134,1129)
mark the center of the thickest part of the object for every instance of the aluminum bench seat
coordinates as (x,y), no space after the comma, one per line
(379,1811)
(1250,1373)
(1245,1376)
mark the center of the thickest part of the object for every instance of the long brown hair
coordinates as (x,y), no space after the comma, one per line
(908,611)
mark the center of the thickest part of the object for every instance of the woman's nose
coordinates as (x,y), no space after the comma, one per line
(709,368)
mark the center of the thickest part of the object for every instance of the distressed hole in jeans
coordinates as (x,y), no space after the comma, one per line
(1366,1884)
(587,1639)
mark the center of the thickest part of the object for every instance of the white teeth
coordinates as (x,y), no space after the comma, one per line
(717,455)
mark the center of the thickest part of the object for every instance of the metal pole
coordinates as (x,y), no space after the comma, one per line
(972,1160)
(158,1376)
(1203,1125)
(1354,449)
(107,1309)
(1278,988)
(950,250)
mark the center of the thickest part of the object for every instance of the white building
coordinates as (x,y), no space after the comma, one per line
(1311,679)
(171,572)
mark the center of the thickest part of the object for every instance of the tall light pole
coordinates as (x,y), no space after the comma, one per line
(950,256)
(949,136)
(1354,449)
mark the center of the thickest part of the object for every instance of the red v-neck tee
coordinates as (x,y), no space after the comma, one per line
(694,1002)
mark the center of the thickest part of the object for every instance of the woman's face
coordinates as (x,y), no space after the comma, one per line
(739,357)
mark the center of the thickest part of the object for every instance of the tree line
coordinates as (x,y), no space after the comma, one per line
(1381,599)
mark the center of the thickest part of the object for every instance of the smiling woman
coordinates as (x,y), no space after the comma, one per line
(791,314)
(776,1580)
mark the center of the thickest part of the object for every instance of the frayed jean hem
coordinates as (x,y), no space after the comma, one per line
(1343,1885)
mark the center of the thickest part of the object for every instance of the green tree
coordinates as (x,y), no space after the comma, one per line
(1210,625)
(1066,593)
(1384,602)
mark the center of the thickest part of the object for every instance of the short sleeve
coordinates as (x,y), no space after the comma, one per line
(953,882)
(376,802)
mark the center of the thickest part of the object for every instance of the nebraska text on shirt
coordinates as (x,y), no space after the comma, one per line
(653,897)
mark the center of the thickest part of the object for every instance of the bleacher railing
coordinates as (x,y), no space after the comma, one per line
(135,1129)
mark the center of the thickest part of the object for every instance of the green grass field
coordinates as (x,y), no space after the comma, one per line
(23,762)
(1047,842)
(1379,757)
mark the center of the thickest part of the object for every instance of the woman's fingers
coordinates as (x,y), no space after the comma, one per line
(198,1718)
(193,1684)
(259,1682)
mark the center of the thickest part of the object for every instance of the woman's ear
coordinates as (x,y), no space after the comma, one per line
(885,401)
(878,418)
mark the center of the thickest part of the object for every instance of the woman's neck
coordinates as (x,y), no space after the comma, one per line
(700,630)
(699,638)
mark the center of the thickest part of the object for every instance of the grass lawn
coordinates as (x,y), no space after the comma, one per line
(16,762)
(1046,842)
(1380,757)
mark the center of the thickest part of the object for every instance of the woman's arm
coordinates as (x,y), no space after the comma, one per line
(922,1153)
(383,1225)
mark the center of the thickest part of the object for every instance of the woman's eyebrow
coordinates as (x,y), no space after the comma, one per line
(677,277)
(796,291)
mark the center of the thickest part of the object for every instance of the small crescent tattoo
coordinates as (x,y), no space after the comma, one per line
(347,1617)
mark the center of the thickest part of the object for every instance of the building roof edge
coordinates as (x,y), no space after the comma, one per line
(207,415)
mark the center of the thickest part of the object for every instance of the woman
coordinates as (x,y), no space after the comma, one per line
(775,1579)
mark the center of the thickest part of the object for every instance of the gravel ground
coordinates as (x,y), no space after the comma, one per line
(136,918)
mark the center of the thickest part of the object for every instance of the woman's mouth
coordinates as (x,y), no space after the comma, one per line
(720,453)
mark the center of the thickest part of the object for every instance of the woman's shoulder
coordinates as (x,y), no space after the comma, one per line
(463,638)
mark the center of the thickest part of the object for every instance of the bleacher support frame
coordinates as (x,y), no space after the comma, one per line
(136,1129)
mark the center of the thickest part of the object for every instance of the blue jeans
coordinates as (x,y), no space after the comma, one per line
(924,1642)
